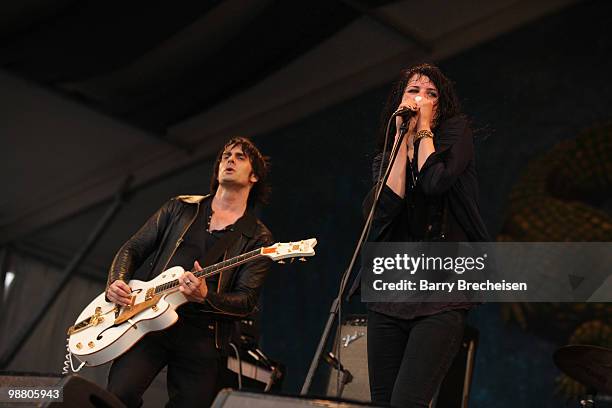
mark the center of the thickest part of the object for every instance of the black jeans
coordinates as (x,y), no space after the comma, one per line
(193,367)
(408,359)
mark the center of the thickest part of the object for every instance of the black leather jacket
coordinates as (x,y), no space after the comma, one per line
(238,290)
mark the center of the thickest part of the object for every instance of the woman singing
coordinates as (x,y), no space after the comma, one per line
(431,195)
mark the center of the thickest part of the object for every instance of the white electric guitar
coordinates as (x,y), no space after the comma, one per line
(104,331)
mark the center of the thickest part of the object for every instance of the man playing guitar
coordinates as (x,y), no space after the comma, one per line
(184,232)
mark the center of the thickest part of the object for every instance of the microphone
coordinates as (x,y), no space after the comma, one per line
(405,113)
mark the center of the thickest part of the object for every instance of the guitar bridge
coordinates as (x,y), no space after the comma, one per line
(91,321)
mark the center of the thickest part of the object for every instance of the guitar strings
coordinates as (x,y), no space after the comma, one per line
(213,269)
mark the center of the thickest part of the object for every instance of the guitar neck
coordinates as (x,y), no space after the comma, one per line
(227,264)
(213,269)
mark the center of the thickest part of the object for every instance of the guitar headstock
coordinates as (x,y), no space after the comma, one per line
(283,250)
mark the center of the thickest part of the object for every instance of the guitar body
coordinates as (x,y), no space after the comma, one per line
(104,341)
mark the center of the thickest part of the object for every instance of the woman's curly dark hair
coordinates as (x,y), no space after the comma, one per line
(260,164)
(448,102)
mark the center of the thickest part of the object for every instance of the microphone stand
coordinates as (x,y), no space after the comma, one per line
(345,375)
(333,311)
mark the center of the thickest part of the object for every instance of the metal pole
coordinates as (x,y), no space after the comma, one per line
(20,339)
(333,311)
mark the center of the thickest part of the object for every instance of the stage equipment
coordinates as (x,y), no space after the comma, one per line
(237,399)
(589,365)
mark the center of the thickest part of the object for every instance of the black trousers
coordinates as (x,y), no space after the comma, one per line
(193,367)
(408,359)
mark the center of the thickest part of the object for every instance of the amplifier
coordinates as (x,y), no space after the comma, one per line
(353,356)
(454,390)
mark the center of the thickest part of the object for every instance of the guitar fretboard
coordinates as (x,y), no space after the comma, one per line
(213,269)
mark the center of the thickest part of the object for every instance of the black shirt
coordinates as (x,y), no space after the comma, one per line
(196,242)
(441,205)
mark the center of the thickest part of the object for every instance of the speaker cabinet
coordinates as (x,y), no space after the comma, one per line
(455,388)
(82,393)
(228,398)
(24,379)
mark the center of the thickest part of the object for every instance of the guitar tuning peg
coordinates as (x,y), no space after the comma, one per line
(281,262)
(302,259)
